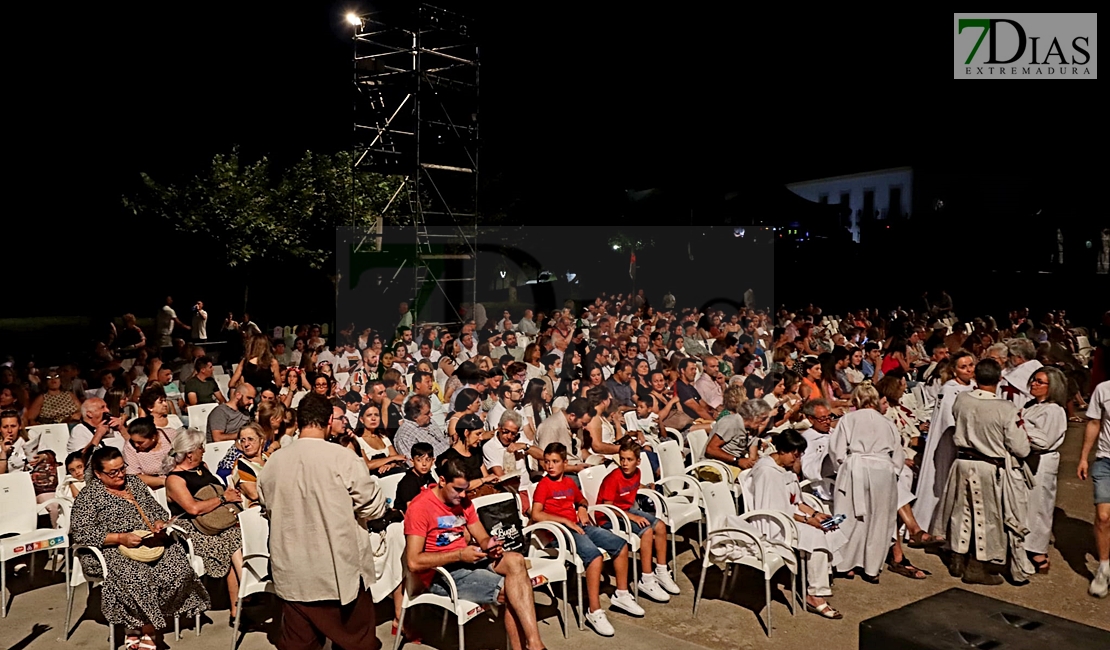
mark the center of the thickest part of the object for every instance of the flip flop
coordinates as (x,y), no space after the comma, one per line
(824,611)
(147,643)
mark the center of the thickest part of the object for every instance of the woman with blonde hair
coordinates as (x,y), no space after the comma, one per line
(250,462)
(259,367)
(867,451)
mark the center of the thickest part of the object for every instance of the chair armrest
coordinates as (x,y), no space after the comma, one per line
(803,484)
(63,504)
(564,540)
(657,500)
(689,487)
(454,591)
(813,502)
(96,552)
(789,526)
(620,520)
(721,534)
(716,465)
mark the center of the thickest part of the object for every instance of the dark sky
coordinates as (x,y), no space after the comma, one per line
(576,100)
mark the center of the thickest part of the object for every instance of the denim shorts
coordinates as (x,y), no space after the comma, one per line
(474,582)
(1100,475)
(594,542)
(639,530)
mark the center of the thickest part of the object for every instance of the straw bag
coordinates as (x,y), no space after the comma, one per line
(152,548)
(220,519)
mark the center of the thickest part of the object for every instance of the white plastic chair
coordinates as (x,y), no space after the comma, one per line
(198,416)
(194,561)
(214,452)
(222,382)
(682,495)
(19,512)
(388,486)
(78,578)
(218,371)
(174,421)
(697,441)
(591,479)
(343,380)
(547,568)
(769,556)
(256,562)
(464,610)
(50,436)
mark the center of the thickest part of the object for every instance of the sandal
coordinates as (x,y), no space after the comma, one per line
(131,642)
(917,540)
(147,643)
(904,568)
(1077,418)
(1042,566)
(824,611)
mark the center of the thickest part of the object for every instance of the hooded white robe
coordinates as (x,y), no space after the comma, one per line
(938,456)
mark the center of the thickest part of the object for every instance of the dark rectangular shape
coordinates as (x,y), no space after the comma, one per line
(958,619)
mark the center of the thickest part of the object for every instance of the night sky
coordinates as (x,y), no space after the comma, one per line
(576,102)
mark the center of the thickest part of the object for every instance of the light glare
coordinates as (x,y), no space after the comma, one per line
(353,19)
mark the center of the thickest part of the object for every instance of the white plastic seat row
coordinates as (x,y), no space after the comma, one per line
(19,512)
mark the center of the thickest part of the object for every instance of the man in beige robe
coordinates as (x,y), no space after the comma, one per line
(985,503)
(318,496)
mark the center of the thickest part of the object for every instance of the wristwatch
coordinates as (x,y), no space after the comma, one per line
(735,460)
(223,499)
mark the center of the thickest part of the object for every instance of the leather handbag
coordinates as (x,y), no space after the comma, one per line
(220,519)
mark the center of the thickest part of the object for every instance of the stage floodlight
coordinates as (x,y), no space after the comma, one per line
(354,20)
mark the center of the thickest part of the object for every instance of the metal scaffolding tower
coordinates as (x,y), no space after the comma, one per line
(416,115)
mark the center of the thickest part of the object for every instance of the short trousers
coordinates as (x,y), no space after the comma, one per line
(594,542)
(1100,475)
(474,582)
(639,530)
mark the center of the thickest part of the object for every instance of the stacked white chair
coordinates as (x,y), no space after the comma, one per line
(198,416)
(51,436)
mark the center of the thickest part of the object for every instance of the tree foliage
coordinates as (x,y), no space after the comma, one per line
(248,211)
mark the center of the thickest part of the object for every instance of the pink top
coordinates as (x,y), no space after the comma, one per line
(148,462)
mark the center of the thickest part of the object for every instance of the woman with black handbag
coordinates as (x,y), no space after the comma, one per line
(208,511)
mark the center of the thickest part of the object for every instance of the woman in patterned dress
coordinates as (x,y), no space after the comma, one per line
(186,475)
(55,404)
(140,596)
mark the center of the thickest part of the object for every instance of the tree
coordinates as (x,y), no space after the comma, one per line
(246,213)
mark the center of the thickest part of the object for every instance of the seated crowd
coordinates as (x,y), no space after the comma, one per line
(525,408)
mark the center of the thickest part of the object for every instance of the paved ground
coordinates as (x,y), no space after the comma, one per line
(37,615)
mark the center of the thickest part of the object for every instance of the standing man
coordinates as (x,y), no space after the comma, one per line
(406,317)
(987,495)
(1015,379)
(318,497)
(200,322)
(165,320)
(1099,428)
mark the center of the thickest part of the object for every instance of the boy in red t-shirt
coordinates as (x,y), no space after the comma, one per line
(442,530)
(619,489)
(557,499)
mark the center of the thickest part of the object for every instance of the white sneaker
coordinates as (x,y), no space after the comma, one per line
(666,581)
(600,623)
(1100,585)
(651,588)
(627,602)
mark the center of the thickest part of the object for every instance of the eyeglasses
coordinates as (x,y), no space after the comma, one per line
(114,473)
(513,434)
(1039,382)
(53,376)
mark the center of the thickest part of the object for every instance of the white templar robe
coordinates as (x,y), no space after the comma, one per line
(868,452)
(775,488)
(1015,382)
(816,465)
(1045,424)
(939,454)
(984,511)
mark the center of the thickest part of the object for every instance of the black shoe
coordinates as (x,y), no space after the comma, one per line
(231,622)
(977,574)
(957,564)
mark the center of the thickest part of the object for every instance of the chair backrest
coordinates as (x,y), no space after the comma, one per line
(198,416)
(160,497)
(670,459)
(342,379)
(50,436)
(174,421)
(719,503)
(388,486)
(591,479)
(745,487)
(490,499)
(631,421)
(255,532)
(647,474)
(1083,343)
(222,382)
(218,371)
(17,503)
(697,440)
(214,452)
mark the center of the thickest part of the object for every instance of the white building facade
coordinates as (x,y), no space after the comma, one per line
(883,194)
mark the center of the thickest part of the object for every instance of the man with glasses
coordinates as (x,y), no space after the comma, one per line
(423,384)
(418,427)
(436,526)
(816,464)
(505,453)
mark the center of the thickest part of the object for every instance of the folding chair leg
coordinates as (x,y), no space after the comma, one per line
(443,626)
(674,556)
(197,623)
(634,560)
(566,610)
(462,637)
(112,637)
(177,628)
(724,581)
(4,589)
(581,605)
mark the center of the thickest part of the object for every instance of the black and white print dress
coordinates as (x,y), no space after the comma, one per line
(134,593)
